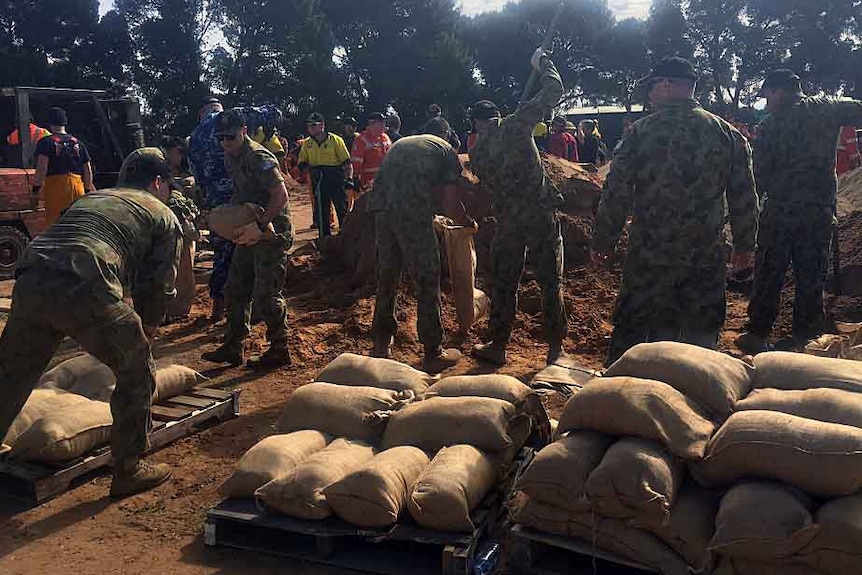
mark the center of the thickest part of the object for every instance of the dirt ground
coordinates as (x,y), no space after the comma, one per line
(84,532)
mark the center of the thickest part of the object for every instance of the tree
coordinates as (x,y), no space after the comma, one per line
(667,32)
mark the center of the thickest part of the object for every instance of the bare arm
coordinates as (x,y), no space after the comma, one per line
(41,170)
(277,201)
(87,176)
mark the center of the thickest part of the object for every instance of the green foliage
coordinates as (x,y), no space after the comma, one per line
(337,56)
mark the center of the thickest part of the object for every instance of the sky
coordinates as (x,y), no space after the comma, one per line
(622,8)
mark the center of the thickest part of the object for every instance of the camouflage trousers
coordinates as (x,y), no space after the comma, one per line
(803,242)
(222,254)
(257,273)
(669,303)
(48,305)
(540,234)
(414,245)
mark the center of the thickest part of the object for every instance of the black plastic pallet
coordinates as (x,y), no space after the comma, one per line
(406,548)
(32,484)
(532,552)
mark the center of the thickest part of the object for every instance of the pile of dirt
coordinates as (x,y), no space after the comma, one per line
(850,192)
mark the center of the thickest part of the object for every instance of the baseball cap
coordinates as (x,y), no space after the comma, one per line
(484,110)
(671,67)
(228,122)
(314,118)
(781,79)
(559,121)
(57,117)
(376,117)
(347,120)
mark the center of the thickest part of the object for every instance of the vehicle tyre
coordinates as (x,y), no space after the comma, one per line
(12,244)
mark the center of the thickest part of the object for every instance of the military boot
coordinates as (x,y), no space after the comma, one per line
(224,354)
(271,359)
(138,477)
(556,352)
(491,352)
(382,347)
(751,343)
(440,360)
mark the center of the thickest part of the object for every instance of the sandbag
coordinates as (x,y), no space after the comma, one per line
(483,422)
(762,521)
(175,380)
(186,284)
(85,370)
(828,405)
(451,488)
(300,493)
(691,525)
(375,495)
(636,479)
(712,379)
(497,386)
(461,256)
(640,408)
(824,459)
(835,549)
(558,474)
(634,544)
(787,370)
(272,457)
(609,535)
(227,220)
(40,403)
(341,410)
(352,369)
(65,433)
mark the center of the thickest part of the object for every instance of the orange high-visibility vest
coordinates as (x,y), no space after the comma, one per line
(367,156)
(36,134)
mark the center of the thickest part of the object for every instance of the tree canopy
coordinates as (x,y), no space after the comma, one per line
(343,56)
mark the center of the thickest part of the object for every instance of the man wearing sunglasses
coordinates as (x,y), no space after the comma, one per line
(325,157)
(672,172)
(259,265)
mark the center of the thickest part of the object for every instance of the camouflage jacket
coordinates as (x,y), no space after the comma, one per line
(673,172)
(113,239)
(206,157)
(794,153)
(254,172)
(507,160)
(411,171)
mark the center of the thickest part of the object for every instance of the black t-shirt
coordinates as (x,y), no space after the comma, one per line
(66,154)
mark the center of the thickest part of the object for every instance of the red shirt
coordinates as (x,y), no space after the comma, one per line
(367,156)
(563,145)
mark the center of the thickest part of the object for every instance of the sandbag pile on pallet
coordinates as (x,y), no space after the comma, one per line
(372,441)
(68,414)
(686,459)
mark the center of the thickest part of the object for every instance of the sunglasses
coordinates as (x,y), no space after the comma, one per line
(226,137)
(314,124)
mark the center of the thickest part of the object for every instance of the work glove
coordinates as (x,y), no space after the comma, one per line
(536,60)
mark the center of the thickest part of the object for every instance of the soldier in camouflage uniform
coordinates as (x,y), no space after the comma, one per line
(259,266)
(71,281)
(672,173)
(794,163)
(505,159)
(207,160)
(418,179)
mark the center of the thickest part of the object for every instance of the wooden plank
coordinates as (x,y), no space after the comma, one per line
(209,393)
(189,401)
(168,413)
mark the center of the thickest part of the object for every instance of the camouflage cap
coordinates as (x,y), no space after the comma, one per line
(781,79)
(228,122)
(143,165)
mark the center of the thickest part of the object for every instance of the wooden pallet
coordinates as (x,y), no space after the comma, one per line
(180,416)
(404,549)
(532,552)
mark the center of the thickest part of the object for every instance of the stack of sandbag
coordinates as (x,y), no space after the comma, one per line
(370,441)
(87,376)
(618,477)
(791,460)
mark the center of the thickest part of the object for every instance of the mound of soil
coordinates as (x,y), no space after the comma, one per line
(850,192)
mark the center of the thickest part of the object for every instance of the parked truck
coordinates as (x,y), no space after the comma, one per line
(110,128)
